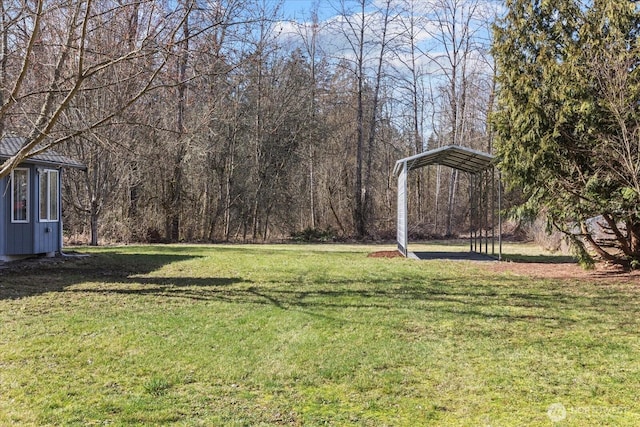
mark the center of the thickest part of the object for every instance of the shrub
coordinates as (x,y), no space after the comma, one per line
(310,234)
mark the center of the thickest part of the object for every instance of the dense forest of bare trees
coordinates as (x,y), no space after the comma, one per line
(223,121)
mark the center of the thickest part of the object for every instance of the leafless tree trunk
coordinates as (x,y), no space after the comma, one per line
(359,196)
(310,40)
(375,119)
(175,184)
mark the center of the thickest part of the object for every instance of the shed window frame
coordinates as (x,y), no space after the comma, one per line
(49,203)
(27,197)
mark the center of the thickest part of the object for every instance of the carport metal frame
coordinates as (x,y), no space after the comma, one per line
(483,180)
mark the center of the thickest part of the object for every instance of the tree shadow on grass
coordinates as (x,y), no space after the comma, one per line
(333,299)
(115,273)
(329,303)
(129,274)
(539,259)
(478,256)
(453,256)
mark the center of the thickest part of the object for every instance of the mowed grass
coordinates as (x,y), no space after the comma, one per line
(310,335)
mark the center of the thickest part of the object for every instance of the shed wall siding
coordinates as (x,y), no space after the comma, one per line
(46,237)
(3,208)
(19,239)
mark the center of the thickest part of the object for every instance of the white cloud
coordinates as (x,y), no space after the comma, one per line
(338,35)
(337,38)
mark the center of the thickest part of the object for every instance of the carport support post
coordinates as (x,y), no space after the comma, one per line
(473,229)
(402,229)
(482,201)
(487,204)
(472,213)
(487,200)
(493,211)
(499,216)
(478,208)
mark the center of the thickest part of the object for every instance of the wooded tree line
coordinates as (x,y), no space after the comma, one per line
(221,121)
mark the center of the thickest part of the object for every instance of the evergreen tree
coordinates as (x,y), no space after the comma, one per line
(568,118)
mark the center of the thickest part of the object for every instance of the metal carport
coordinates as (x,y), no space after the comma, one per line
(480,168)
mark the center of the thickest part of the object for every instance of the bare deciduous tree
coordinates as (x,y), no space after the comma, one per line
(61,55)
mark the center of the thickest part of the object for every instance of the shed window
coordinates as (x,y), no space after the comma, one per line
(49,195)
(20,195)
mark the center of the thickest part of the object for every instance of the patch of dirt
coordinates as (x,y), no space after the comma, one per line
(603,272)
(384,254)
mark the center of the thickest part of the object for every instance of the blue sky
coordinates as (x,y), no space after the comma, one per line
(300,10)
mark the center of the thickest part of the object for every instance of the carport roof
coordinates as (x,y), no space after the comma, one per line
(453,156)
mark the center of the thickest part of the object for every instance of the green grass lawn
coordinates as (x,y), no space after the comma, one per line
(310,335)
